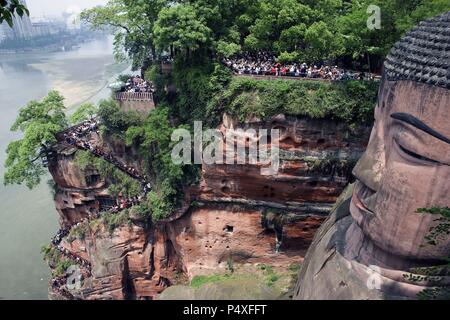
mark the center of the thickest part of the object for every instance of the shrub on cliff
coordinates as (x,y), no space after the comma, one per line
(119,182)
(350,102)
(155,146)
(114,119)
(198,85)
(113,221)
(56,260)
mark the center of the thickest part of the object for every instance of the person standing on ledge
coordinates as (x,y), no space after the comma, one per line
(390,237)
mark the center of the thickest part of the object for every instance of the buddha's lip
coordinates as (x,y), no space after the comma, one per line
(359,189)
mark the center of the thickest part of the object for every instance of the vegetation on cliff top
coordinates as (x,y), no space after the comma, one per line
(351,102)
(307,30)
(84,112)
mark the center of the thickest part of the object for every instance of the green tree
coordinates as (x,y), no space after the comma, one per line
(85,112)
(133,22)
(39,121)
(295,29)
(154,139)
(9,8)
(425,9)
(397,17)
(321,43)
(116,120)
(182,27)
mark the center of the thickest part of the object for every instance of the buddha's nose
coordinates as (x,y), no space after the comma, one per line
(369,169)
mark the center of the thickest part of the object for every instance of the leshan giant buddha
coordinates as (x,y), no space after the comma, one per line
(384,241)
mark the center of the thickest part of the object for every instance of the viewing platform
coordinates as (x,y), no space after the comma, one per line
(134,96)
(139,101)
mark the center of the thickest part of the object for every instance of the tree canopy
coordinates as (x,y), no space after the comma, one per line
(39,121)
(85,112)
(309,30)
(132,22)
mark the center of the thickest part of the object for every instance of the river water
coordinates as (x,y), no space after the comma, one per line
(28,219)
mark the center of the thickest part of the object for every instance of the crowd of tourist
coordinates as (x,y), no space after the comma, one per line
(75,137)
(137,84)
(60,235)
(127,203)
(59,284)
(76,259)
(88,126)
(265,64)
(59,287)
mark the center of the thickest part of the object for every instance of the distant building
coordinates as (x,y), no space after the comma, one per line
(21,30)
(46,28)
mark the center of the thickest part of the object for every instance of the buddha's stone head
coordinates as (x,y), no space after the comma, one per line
(407,163)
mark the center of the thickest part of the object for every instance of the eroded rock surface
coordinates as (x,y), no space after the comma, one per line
(240,217)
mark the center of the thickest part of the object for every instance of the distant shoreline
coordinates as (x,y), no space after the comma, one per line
(58,46)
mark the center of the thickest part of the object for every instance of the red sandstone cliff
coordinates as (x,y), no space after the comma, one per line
(239,216)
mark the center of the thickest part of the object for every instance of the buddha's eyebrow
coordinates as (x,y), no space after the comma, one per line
(409,119)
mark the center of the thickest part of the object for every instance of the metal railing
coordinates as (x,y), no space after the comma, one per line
(134,96)
(286,77)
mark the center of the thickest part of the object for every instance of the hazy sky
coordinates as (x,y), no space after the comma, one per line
(39,8)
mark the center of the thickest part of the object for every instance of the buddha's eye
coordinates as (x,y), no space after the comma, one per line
(415,155)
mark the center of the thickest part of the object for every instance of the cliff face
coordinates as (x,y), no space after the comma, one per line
(316,158)
(239,216)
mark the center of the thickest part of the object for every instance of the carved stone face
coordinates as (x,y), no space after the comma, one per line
(406,166)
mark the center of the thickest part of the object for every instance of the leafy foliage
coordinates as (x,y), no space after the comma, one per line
(119,182)
(9,8)
(56,260)
(397,17)
(39,121)
(182,27)
(78,232)
(351,102)
(199,281)
(270,274)
(310,30)
(199,86)
(142,210)
(114,119)
(84,112)
(442,229)
(133,22)
(154,139)
(113,221)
